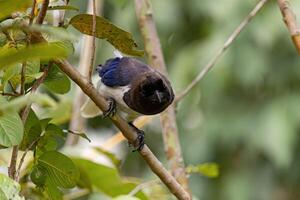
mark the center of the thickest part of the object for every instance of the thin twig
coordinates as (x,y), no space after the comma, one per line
(32,12)
(221,51)
(24,116)
(76,194)
(43,11)
(13,162)
(23,73)
(12,87)
(10,94)
(142,186)
(34,88)
(23,158)
(289,18)
(77,122)
(168,118)
(93,43)
(155,165)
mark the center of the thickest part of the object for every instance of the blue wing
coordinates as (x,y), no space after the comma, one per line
(111,73)
(120,71)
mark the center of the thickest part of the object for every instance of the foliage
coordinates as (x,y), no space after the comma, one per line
(9,189)
(119,38)
(242,121)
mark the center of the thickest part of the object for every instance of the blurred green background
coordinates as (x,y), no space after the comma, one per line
(244,115)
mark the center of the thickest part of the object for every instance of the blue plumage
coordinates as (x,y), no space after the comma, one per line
(111,73)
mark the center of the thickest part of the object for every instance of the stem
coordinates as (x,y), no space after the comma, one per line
(93,43)
(77,122)
(221,51)
(42,12)
(23,72)
(24,116)
(289,18)
(127,131)
(168,118)
(12,87)
(10,94)
(32,12)
(23,158)
(13,162)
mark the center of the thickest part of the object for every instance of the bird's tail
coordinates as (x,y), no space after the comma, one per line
(89,109)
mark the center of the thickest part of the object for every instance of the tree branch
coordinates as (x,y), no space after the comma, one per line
(23,73)
(13,162)
(289,18)
(168,118)
(32,12)
(42,13)
(127,131)
(221,51)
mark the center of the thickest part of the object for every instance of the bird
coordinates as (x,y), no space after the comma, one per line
(132,88)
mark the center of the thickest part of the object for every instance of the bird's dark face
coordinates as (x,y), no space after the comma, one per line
(149,94)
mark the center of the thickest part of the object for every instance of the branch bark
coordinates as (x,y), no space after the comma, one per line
(289,18)
(43,11)
(127,131)
(221,51)
(168,118)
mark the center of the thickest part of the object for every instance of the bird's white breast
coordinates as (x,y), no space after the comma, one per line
(117,94)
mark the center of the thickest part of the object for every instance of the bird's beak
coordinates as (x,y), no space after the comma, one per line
(158,94)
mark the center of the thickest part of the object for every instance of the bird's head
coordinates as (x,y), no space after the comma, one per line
(149,94)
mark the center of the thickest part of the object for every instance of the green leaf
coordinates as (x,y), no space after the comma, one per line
(59,168)
(10,72)
(104,178)
(207,169)
(38,175)
(44,122)
(46,143)
(11,129)
(110,155)
(62,113)
(83,135)
(7,7)
(17,103)
(63,8)
(125,197)
(3,39)
(2,195)
(119,38)
(52,191)
(53,33)
(9,188)
(55,130)
(43,51)
(32,131)
(57,81)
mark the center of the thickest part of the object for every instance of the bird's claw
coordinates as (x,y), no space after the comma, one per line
(112,108)
(140,140)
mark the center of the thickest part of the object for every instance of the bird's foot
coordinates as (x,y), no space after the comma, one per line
(112,108)
(140,140)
